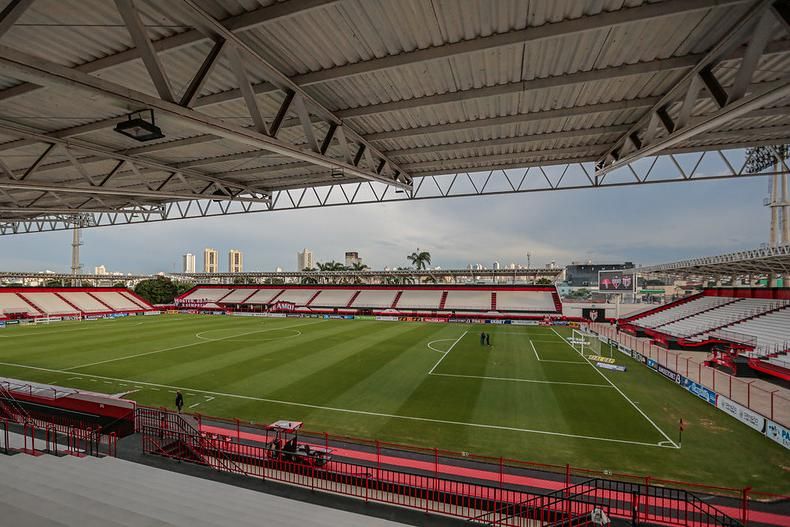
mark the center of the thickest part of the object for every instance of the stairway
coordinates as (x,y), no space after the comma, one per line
(395,302)
(353,297)
(312,298)
(96,298)
(557,302)
(493,300)
(31,303)
(443,301)
(77,310)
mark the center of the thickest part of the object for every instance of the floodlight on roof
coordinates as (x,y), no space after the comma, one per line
(137,128)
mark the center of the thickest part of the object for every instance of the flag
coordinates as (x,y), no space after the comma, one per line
(681,426)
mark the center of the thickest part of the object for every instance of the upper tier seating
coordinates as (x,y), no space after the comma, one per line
(208,294)
(539,301)
(300,297)
(770,331)
(476,300)
(373,299)
(50,304)
(237,296)
(263,296)
(116,301)
(13,303)
(427,299)
(685,309)
(530,302)
(706,321)
(333,298)
(85,302)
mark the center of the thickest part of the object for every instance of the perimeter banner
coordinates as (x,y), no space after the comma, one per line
(700,391)
(778,433)
(598,358)
(669,374)
(612,367)
(741,413)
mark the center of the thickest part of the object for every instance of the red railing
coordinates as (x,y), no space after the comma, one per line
(168,434)
(500,471)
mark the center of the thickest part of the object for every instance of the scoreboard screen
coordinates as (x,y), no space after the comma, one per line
(616,281)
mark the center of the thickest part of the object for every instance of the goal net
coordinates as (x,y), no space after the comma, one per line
(588,345)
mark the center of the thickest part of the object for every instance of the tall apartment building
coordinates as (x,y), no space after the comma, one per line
(235,261)
(352,257)
(304,260)
(188,263)
(210,260)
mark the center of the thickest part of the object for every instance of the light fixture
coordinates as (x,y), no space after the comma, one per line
(138,128)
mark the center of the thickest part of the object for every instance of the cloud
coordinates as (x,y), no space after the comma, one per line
(645,224)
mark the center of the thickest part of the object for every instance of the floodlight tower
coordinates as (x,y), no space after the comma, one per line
(78,221)
(774,156)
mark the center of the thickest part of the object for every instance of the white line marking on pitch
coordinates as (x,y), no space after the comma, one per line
(448,351)
(516,379)
(177,347)
(439,340)
(552,360)
(358,412)
(674,445)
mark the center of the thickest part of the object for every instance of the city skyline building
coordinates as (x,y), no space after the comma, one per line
(188,263)
(352,257)
(235,261)
(210,260)
(304,260)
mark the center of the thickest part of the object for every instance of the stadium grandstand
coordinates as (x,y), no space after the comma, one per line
(389,397)
(451,301)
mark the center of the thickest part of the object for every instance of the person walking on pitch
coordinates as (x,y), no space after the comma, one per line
(179,401)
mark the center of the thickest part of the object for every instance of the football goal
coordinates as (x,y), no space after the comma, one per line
(588,345)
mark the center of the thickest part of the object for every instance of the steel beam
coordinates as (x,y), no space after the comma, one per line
(703,70)
(547,176)
(106,153)
(123,192)
(22,65)
(134,24)
(11,13)
(520,37)
(706,123)
(240,23)
(304,102)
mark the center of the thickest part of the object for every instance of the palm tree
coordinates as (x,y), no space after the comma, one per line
(420,259)
(359,267)
(331,266)
(309,280)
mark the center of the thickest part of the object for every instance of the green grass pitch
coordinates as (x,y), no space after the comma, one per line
(528,396)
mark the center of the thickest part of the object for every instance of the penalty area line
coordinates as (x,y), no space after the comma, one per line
(516,379)
(350,411)
(553,360)
(632,403)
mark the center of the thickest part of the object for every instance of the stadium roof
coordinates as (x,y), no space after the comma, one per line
(258,99)
(765,260)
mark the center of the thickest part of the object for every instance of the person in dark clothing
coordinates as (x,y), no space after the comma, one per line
(482,338)
(179,401)
(488,339)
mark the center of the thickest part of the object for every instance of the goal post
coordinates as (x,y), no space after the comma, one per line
(586,344)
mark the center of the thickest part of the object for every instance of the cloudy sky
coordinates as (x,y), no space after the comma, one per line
(647,224)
